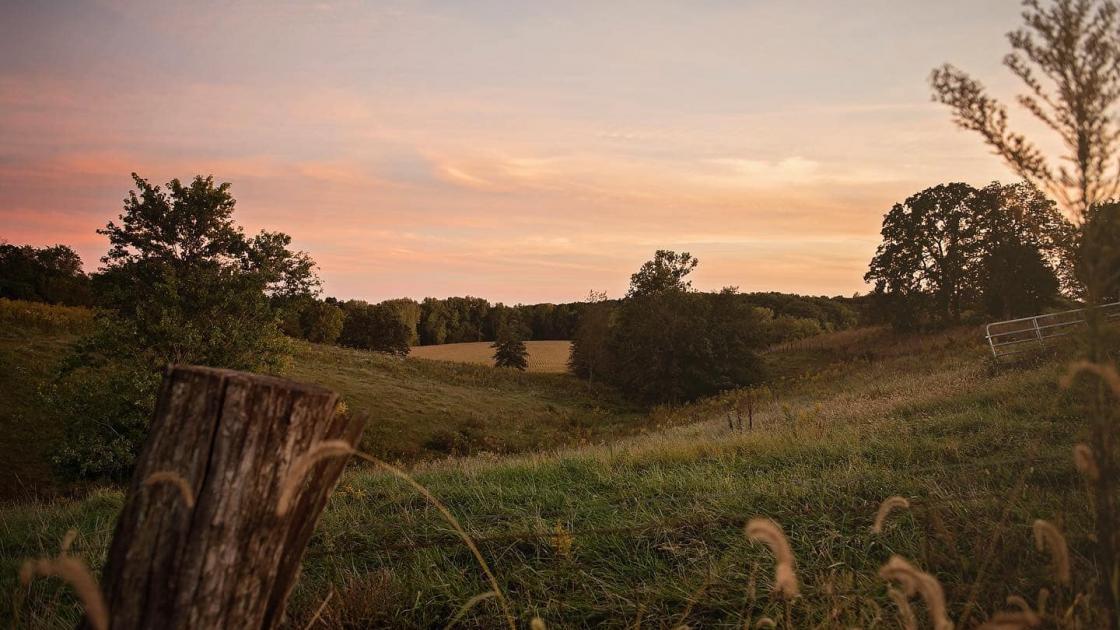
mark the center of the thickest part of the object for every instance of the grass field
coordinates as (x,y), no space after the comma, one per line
(649,529)
(416,409)
(544,356)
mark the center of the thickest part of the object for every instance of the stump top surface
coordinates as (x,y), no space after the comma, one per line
(261,379)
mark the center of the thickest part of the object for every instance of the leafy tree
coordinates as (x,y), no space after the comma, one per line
(375,327)
(930,245)
(666,272)
(1017,281)
(1098,247)
(677,346)
(1025,244)
(1068,58)
(188,283)
(317,321)
(49,274)
(181,283)
(409,312)
(510,352)
(589,353)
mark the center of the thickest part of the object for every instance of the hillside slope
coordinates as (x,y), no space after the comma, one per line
(420,409)
(650,529)
(417,409)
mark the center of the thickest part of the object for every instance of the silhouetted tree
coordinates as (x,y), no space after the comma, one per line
(1068,58)
(181,283)
(1098,250)
(931,243)
(49,274)
(666,272)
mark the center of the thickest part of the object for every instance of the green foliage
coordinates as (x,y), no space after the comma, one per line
(315,320)
(49,274)
(589,354)
(104,410)
(181,284)
(408,311)
(953,247)
(666,272)
(1098,252)
(510,352)
(677,346)
(375,327)
(189,287)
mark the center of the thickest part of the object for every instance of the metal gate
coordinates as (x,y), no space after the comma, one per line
(1020,335)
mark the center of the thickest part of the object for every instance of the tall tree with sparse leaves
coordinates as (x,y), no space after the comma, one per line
(1067,56)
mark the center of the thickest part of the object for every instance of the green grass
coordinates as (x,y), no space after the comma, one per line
(655,521)
(421,409)
(33,339)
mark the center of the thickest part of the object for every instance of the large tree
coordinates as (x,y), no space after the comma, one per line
(1067,56)
(953,247)
(930,246)
(181,283)
(189,285)
(666,272)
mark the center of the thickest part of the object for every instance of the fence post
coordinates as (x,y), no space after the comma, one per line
(211,552)
(1038,332)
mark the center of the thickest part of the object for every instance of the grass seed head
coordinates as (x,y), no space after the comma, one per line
(302,464)
(1022,619)
(1085,462)
(770,533)
(1106,372)
(915,582)
(175,479)
(77,574)
(1048,538)
(885,509)
(905,612)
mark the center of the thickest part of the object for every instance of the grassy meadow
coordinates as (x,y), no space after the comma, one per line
(647,530)
(544,356)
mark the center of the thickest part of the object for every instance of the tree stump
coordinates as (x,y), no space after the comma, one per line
(227,561)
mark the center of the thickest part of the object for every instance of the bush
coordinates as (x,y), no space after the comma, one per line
(375,327)
(677,346)
(104,411)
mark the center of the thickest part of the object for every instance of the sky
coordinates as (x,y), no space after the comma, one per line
(518,151)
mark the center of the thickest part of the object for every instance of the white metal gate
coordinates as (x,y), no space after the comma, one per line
(1019,335)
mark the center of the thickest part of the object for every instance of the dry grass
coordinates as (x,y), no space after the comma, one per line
(544,356)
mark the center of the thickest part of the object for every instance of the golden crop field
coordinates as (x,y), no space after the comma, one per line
(544,356)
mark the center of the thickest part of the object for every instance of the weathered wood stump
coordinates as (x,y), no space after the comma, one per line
(227,561)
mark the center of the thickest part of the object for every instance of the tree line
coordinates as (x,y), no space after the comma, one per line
(181,282)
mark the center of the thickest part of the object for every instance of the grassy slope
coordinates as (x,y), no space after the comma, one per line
(417,409)
(657,520)
(544,356)
(33,339)
(421,409)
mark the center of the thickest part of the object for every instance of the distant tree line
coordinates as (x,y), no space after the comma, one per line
(49,274)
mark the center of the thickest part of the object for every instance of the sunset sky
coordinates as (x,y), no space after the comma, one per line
(518,151)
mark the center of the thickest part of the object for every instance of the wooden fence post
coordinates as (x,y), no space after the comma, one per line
(219,556)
